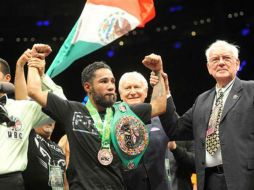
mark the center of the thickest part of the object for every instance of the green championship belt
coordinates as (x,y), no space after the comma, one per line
(129,135)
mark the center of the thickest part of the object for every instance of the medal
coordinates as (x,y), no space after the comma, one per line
(105,156)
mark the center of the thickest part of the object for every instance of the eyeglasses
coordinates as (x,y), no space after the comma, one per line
(226,59)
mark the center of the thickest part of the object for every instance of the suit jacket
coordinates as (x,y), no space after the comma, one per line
(236,133)
(151,172)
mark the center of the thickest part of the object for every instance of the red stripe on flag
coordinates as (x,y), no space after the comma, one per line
(143,10)
(147,11)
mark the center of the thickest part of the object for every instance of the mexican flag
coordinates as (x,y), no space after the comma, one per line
(100,23)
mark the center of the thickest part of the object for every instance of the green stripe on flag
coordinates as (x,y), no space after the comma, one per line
(68,53)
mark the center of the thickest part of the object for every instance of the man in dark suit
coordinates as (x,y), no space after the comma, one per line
(222,126)
(151,172)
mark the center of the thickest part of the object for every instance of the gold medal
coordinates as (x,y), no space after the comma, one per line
(105,156)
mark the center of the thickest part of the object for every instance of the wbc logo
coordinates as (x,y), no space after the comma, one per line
(15,131)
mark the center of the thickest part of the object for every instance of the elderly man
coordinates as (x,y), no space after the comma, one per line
(221,123)
(151,172)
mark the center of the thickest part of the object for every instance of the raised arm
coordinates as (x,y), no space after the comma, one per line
(39,52)
(20,80)
(154,80)
(34,86)
(158,99)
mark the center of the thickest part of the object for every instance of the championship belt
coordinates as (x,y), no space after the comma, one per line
(129,135)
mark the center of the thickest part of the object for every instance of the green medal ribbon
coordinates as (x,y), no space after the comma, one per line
(104,130)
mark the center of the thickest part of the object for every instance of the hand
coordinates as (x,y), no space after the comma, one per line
(172,145)
(37,63)
(155,79)
(41,50)
(23,59)
(165,77)
(153,62)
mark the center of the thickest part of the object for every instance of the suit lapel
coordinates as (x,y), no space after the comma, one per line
(208,104)
(233,97)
